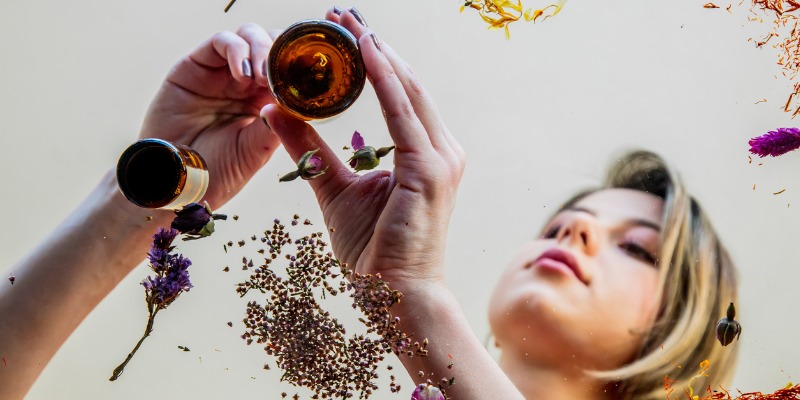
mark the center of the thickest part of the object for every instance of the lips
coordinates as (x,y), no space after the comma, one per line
(557,258)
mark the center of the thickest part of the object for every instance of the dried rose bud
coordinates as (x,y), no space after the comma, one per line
(11,279)
(365,157)
(196,220)
(426,391)
(728,328)
(309,167)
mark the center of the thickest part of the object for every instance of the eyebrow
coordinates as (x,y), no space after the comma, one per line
(635,221)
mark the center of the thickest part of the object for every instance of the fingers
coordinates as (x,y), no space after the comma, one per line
(259,44)
(244,53)
(402,95)
(299,137)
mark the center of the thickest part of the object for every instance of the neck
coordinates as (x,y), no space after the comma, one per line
(537,381)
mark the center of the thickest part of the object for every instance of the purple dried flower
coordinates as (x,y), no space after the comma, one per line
(309,167)
(426,391)
(196,220)
(775,143)
(158,258)
(171,279)
(163,238)
(365,157)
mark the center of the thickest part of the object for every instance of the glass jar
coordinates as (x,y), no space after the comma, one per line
(154,173)
(315,69)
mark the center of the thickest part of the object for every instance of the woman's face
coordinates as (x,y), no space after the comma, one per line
(584,292)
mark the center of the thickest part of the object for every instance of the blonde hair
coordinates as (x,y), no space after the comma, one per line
(697,282)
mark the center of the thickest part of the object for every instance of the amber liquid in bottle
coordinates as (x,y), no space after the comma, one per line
(154,173)
(315,69)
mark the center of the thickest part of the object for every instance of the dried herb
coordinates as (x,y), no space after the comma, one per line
(728,328)
(171,279)
(783,14)
(775,143)
(309,166)
(365,157)
(309,345)
(171,269)
(499,13)
(788,392)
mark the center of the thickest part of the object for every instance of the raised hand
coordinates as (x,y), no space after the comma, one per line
(392,222)
(211,100)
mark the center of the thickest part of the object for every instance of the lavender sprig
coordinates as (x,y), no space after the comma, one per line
(776,143)
(171,279)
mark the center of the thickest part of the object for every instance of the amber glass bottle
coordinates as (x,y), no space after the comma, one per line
(154,173)
(315,69)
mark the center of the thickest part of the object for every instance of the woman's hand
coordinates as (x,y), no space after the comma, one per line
(211,100)
(391,222)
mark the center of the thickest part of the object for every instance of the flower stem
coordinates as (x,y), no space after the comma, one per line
(147,330)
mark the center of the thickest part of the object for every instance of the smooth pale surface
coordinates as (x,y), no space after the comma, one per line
(539,116)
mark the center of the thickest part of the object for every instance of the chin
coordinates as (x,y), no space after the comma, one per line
(535,319)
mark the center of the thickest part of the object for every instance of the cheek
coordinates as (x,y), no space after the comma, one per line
(632,302)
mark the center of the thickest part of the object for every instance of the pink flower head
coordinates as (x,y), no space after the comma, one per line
(775,143)
(357,142)
(426,391)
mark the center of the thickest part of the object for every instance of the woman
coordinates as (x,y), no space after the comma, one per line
(647,279)
(389,222)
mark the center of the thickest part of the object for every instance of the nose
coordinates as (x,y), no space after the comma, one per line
(580,232)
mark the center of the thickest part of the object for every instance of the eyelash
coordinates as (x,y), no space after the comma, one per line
(551,233)
(638,251)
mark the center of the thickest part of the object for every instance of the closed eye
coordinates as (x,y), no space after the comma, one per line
(638,252)
(551,233)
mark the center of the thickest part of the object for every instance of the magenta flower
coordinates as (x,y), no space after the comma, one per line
(365,157)
(309,167)
(775,143)
(426,391)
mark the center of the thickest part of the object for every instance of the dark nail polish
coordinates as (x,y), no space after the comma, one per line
(359,17)
(337,10)
(247,69)
(266,123)
(264,67)
(375,40)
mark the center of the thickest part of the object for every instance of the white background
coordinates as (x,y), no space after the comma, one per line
(539,116)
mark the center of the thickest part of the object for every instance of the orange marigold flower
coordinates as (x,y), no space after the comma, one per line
(499,13)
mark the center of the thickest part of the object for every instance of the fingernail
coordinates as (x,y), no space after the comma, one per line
(337,10)
(358,16)
(266,123)
(375,40)
(247,69)
(264,68)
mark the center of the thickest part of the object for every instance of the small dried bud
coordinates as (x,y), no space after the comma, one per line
(309,167)
(196,220)
(366,157)
(728,328)
(426,391)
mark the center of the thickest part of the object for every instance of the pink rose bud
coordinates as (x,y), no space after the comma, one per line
(426,391)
